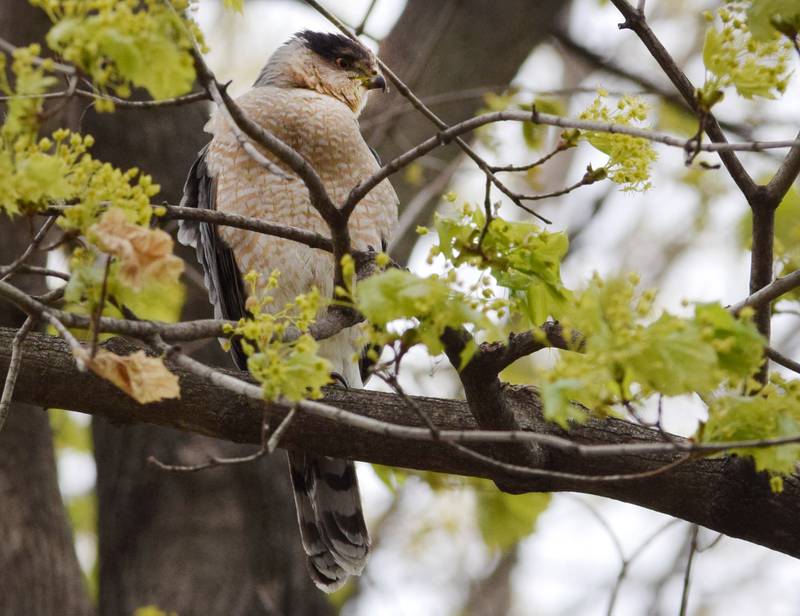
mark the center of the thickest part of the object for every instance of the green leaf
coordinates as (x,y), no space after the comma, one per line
(558,401)
(738,344)
(396,294)
(121,45)
(673,358)
(774,412)
(505,519)
(766,17)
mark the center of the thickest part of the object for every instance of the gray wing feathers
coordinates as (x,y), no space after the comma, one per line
(221,274)
(332,527)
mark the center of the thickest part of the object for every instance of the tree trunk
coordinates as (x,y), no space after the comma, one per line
(41,574)
(40,570)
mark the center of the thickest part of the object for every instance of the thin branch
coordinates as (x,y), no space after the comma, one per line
(74,345)
(589,178)
(269,443)
(411,212)
(7,270)
(326,326)
(771,292)
(216,217)
(627,561)
(782,360)
(688,572)
(244,142)
(649,87)
(123,103)
(36,270)
(359,29)
(515,470)
(252,391)
(13,370)
(785,176)
(94,326)
(561,147)
(318,195)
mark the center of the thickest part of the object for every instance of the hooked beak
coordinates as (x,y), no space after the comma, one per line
(377,83)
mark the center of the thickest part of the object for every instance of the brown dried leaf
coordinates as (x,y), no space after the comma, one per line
(144,254)
(145,379)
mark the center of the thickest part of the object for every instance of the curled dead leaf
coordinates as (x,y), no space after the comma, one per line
(144,254)
(145,379)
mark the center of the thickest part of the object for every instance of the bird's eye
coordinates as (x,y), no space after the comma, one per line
(344,63)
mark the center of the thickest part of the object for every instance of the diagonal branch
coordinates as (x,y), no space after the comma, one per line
(785,176)
(635,21)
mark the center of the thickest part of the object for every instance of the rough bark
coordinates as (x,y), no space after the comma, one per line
(723,494)
(450,46)
(41,574)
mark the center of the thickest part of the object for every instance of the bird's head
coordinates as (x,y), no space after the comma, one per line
(328,63)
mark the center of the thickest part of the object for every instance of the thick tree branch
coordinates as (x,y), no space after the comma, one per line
(722,494)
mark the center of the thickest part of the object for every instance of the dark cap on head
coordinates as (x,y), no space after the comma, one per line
(331,46)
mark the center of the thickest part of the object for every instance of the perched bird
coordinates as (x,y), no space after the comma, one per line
(309,94)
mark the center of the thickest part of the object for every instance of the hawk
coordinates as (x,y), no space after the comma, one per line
(309,94)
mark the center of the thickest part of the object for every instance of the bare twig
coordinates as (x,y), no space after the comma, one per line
(787,173)
(391,381)
(627,561)
(695,529)
(420,106)
(782,360)
(7,270)
(41,271)
(13,370)
(561,147)
(269,442)
(325,327)
(359,29)
(94,327)
(515,470)
(216,217)
(771,292)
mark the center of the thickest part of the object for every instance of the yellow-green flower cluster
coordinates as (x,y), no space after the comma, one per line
(426,306)
(520,256)
(289,370)
(627,354)
(773,412)
(755,66)
(35,174)
(95,185)
(30,80)
(122,44)
(629,157)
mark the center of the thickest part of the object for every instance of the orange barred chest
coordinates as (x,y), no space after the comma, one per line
(325,132)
